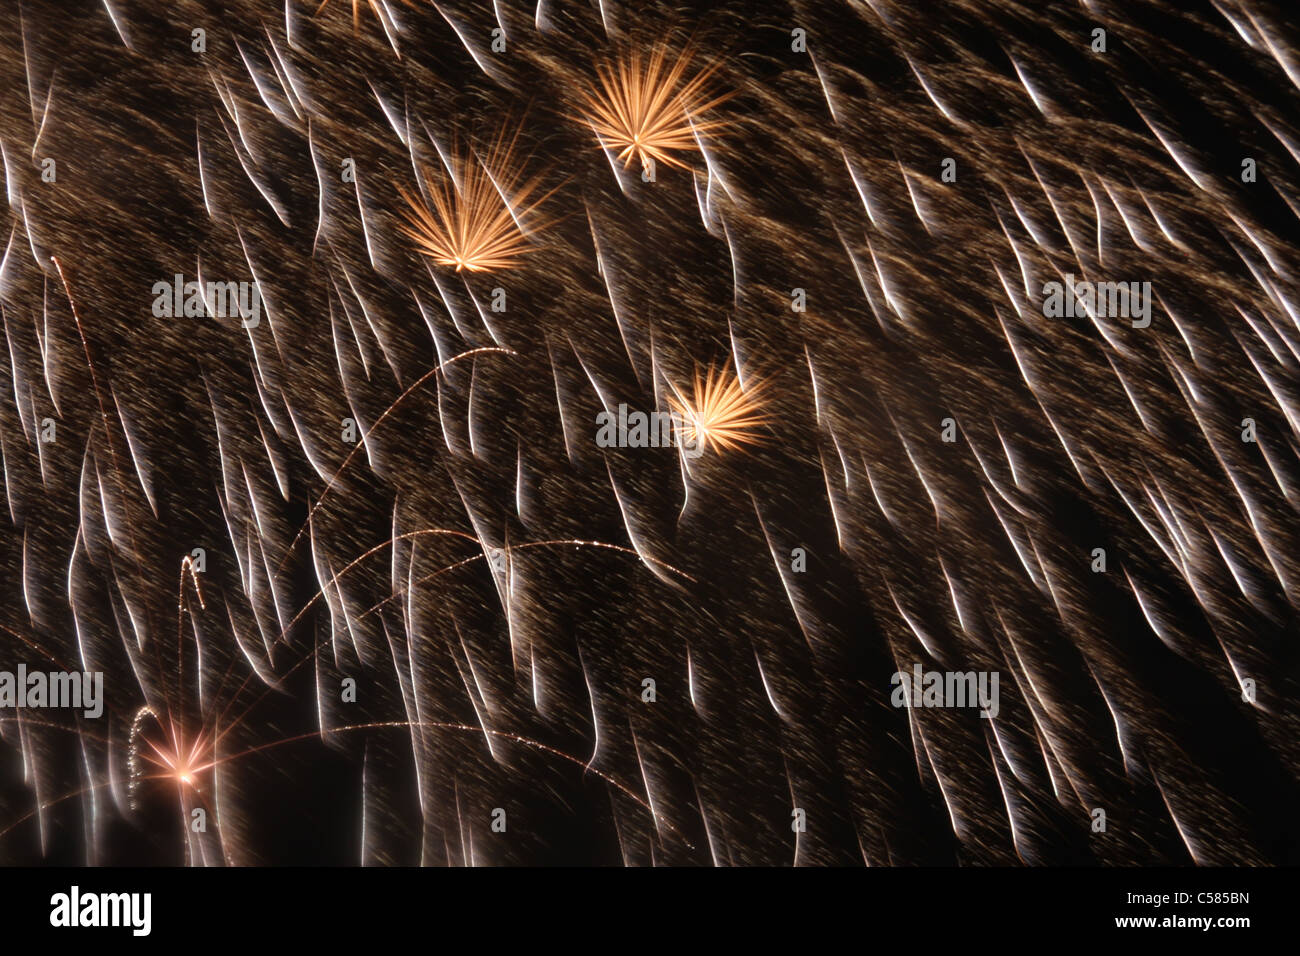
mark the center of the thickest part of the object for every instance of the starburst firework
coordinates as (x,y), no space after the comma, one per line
(179,757)
(451,609)
(720,412)
(481,217)
(644,109)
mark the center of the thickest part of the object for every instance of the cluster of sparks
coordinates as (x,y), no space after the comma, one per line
(483,213)
(718,412)
(479,220)
(178,757)
(647,110)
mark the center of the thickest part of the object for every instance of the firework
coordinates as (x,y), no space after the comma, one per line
(181,758)
(719,412)
(482,220)
(1034,435)
(647,109)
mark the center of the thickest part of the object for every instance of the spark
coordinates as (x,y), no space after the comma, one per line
(126,42)
(785,584)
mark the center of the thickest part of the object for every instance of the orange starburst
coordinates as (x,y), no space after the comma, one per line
(179,756)
(719,413)
(645,108)
(481,217)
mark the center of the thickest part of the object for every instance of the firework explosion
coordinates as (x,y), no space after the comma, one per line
(649,112)
(476,223)
(718,413)
(983,314)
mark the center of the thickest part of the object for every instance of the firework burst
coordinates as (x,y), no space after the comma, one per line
(179,757)
(720,412)
(481,218)
(394,623)
(643,107)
